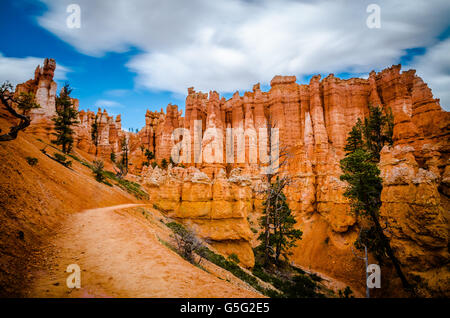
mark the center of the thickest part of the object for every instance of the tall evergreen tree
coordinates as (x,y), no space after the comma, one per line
(354,140)
(66,117)
(278,218)
(95,134)
(361,172)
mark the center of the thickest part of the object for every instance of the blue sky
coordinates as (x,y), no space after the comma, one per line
(93,79)
(130,56)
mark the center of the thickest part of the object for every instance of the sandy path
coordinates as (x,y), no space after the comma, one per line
(119,257)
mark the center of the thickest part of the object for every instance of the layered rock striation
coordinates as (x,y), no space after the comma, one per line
(220,201)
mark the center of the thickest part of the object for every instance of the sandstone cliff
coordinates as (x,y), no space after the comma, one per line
(314,121)
(220,202)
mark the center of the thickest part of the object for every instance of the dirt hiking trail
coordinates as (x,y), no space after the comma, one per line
(119,255)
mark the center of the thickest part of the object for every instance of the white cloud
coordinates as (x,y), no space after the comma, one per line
(107,103)
(19,70)
(118,92)
(434,68)
(230,45)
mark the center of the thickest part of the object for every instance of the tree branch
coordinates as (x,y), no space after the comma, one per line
(24,120)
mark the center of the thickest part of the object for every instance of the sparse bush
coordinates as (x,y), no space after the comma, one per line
(32,161)
(347,293)
(150,155)
(292,285)
(164,163)
(301,287)
(154,164)
(234,258)
(315,277)
(187,242)
(112,156)
(204,252)
(97,169)
(62,159)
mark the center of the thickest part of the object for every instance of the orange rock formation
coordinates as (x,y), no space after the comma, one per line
(220,201)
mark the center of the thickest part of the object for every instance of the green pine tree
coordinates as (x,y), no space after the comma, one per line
(361,172)
(66,117)
(26,103)
(278,218)
(95,134)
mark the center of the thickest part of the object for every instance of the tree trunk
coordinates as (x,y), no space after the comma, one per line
(390,253)
(13,131)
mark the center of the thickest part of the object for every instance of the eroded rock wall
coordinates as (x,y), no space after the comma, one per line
(219,199)
(314,121)
(216,209)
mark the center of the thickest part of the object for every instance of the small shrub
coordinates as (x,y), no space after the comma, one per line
(133,188)
(187,242)
(204,252)
(97,169)
(154,164)
(347,293)
(292,286)
(32,161)
(62,159)
(315,277)
(234,258)
(301,287)
(164,163)
(150,155)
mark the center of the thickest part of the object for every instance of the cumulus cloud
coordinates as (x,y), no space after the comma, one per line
(434,68)
(19,70)
(230,45)
(107,103)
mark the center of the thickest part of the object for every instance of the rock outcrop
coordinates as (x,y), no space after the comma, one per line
(219,199)
(313,122)
(109,133)
(216,209)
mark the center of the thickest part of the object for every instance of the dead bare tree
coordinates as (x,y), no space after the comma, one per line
(8,100)
(274,194)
